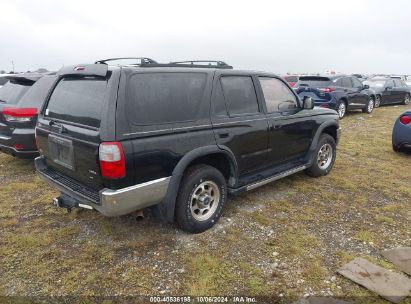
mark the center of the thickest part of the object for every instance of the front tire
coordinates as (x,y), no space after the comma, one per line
(201,198)
(369,107)
(341,109)
(406,100)
(324,157)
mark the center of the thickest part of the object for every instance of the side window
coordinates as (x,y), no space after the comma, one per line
(239,94)
(278,97)
(398,83)
(160,98)
(389,83)
(338,83)
(220,108)
(356,83)
(346,82)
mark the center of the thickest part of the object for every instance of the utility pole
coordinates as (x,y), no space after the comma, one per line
(12,63)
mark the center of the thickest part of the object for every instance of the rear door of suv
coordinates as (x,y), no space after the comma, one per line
(239,121)
(75,121)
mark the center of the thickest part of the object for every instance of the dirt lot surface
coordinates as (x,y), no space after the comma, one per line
(286,239)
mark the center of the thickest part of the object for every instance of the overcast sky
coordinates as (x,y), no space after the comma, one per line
(369,36)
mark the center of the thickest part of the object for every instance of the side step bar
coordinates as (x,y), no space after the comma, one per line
(276,177)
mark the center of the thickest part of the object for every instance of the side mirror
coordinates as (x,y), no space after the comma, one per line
(366,87)
(388,88)
(308,103)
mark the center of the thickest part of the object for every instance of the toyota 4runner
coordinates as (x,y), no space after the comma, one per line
(178,138)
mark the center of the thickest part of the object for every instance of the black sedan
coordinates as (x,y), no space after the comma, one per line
(389,90)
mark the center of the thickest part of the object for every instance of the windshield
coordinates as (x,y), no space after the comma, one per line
(11,92)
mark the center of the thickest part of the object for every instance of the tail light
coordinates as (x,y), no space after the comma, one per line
(327,90)
(112,163)
(405,119)
(19,114)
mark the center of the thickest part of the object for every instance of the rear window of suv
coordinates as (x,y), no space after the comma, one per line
(12,91)
(78,100)
(314,81)
(159,98)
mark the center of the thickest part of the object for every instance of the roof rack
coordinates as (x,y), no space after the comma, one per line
(143,60)
(191,64)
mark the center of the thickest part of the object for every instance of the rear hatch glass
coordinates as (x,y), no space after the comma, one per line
(69,135)
(314,81)
(78,100)
(13,90)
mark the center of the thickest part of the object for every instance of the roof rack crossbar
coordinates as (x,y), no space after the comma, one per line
(191,64)
(143,60)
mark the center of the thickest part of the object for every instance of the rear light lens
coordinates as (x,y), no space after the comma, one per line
(19,146)
(19,114)
(327,90)
(112,163)
(405,119)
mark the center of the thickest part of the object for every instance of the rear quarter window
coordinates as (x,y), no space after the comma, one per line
(159,98)
(78,100)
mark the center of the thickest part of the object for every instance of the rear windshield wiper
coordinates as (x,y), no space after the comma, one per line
(3,101)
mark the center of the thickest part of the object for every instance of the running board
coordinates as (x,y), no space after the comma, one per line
(276,177)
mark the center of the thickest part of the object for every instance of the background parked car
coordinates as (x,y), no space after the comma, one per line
(389,90)
(341,93)
(24,95)
(401,134)
(291,80)
(3,80)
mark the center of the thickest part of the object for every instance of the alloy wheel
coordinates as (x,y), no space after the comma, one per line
(204,200)
(370,106)
(341,110)
(325,156)
(407,99)
(377,101)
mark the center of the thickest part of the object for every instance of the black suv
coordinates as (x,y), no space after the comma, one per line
(20,100)
(177,137)
(339,92)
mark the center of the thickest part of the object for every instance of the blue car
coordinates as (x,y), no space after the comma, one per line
(338,92)
(401,134)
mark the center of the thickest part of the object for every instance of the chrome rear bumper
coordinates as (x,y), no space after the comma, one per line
(111,202)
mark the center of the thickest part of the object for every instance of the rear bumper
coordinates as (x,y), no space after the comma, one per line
(107,201)
(23,137)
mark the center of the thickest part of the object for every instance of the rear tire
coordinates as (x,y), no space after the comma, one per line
(341,109)
(377,101)
(201,198)
(369,107)
(324,157)
(406,100)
